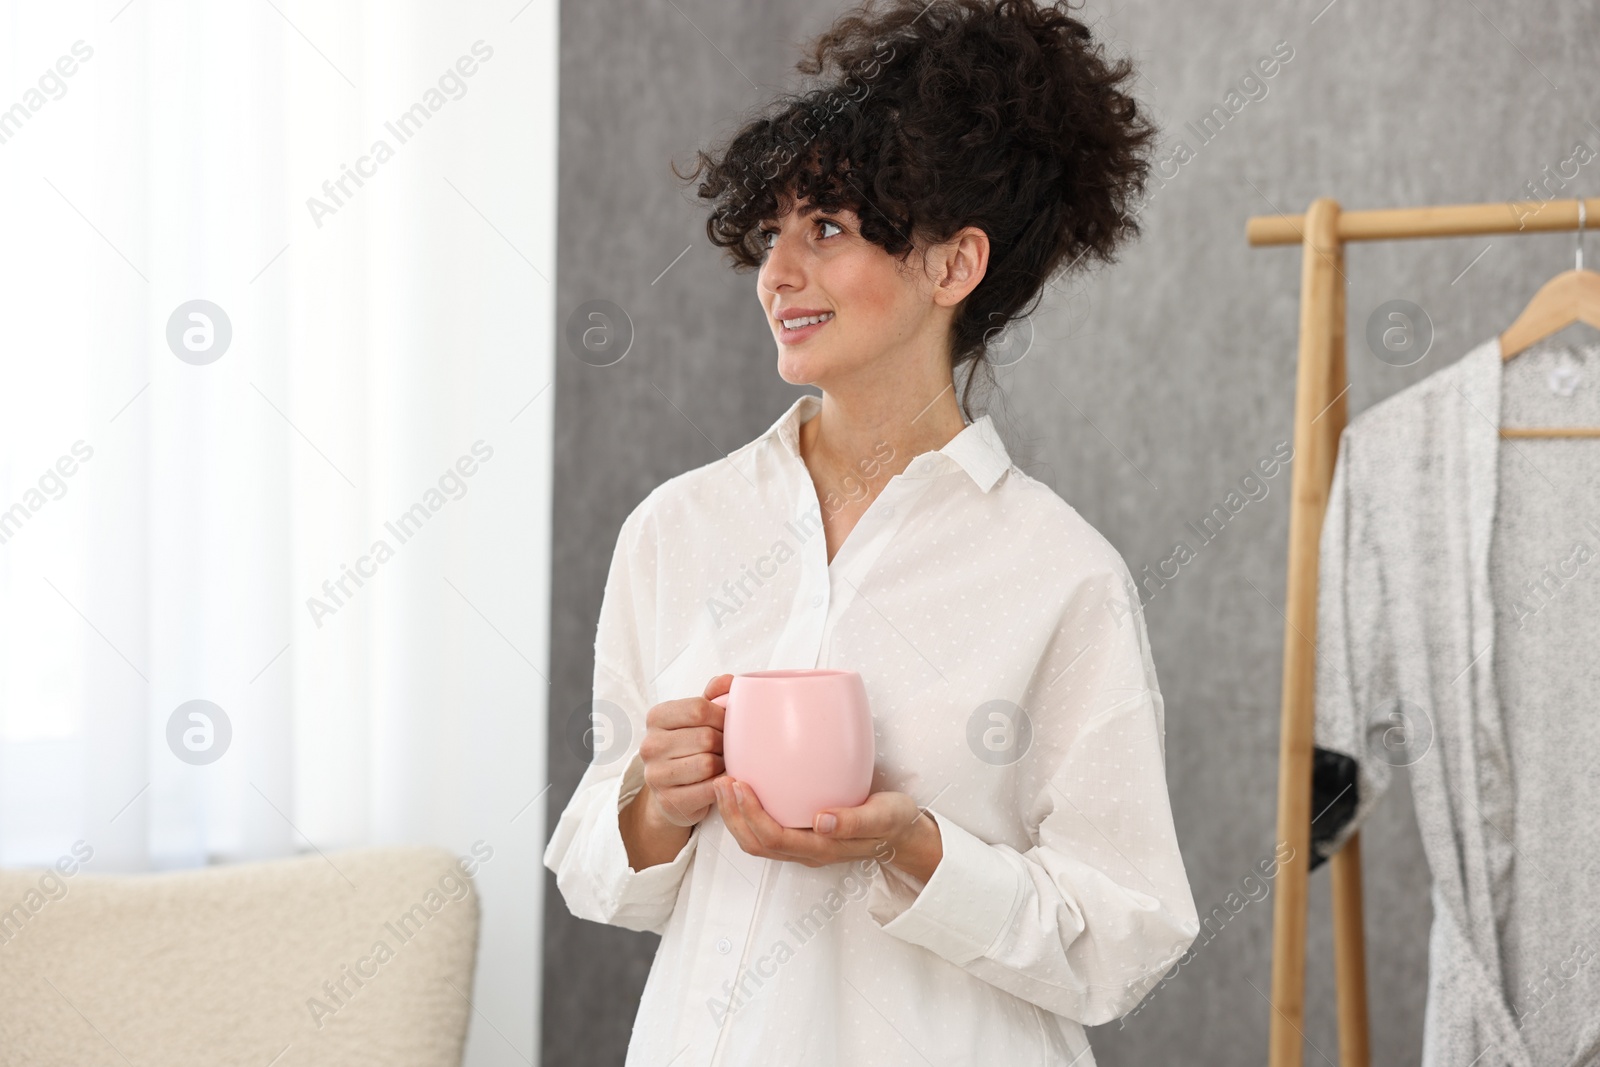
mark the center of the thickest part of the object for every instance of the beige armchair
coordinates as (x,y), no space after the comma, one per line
(363,957)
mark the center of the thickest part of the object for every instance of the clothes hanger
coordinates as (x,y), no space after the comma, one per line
(1571,296)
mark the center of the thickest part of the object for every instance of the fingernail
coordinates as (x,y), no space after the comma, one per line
(826,822)
(738,792)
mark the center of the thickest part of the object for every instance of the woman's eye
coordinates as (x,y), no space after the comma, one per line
(766,234)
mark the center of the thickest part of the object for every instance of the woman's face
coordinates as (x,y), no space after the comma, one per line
(879,310)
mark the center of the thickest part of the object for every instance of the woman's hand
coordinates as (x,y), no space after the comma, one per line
(889,826)
(682,754)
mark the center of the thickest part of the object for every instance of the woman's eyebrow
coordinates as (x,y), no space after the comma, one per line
(804,209)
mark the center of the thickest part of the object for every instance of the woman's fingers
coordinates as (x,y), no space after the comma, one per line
(682,752)
(732,818)
(759,834)
(882,815)
(690,802)
(734,815)
(687,770)
(767,831)
(681,807)
(693,739)
(684,713)
(660,745)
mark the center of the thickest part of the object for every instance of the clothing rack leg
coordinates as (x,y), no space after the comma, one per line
(1350,954)
(1349,931)
(1315,439)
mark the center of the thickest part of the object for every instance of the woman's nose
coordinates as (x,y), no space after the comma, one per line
(782,265)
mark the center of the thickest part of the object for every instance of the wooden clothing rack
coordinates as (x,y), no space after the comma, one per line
(1319,418)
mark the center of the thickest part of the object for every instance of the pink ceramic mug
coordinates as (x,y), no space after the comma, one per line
(801,739)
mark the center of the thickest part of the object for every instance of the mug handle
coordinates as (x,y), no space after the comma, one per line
(722,700)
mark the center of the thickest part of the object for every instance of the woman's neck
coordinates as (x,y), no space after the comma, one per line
(851,436)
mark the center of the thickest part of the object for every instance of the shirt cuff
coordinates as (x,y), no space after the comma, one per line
(964,906)
(631,888)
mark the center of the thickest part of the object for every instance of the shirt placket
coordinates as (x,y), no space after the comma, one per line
(877,527)
(737,897)
(801,638)
(821,595)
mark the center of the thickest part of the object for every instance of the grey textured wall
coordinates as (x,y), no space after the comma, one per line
(1182,356)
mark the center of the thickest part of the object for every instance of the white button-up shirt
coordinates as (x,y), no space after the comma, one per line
(1005,658)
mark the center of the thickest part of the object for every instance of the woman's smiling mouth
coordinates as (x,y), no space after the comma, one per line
(794,327)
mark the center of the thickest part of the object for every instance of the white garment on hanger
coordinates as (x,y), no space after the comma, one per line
(1420,612)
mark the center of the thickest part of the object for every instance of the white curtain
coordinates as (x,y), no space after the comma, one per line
(275,433)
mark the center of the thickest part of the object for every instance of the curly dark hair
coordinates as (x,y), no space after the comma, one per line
(929,117)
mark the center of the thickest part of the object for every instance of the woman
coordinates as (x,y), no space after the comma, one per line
(1014,875)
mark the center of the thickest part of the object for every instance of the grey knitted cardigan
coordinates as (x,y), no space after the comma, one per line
(1410,662)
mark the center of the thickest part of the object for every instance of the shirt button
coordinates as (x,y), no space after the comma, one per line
(723,945)
(888,512)
(817,599)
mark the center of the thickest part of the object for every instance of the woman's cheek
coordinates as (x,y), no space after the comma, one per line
(869,304)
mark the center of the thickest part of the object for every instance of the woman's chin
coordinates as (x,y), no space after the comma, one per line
(797,369)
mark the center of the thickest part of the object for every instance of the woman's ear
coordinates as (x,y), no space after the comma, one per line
(962,261)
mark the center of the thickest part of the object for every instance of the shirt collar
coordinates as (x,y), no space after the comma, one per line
(977,449)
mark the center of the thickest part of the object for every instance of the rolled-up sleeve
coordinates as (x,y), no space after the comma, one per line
(586,850)
(590,861)
(1084,922)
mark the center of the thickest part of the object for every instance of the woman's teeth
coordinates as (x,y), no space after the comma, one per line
(795,324)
